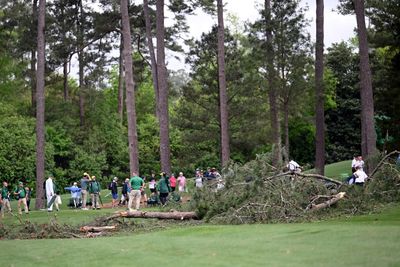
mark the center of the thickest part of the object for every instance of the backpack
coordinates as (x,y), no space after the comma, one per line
(110,186)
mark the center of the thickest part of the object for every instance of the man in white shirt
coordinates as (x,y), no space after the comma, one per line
(360,175)
(50,193)
(293,166)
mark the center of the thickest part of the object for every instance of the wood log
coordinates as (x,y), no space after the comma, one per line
(329,202)
(175,215)
(97,229)
(320,177)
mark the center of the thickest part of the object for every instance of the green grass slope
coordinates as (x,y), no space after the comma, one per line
(360,241)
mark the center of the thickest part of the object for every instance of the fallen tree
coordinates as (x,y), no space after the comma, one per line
(331,200)
(174,215)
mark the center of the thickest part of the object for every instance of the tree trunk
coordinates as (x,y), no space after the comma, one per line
(33,58)
(40,106)
(320,94)
(272,94)
(130,90)
(286,126)
(176,215)
(81,65)
(65,79)
(153,60)
(223,98)
(121,82)
(368,134)
(162,91)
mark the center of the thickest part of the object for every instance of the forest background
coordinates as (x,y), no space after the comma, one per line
(85,119)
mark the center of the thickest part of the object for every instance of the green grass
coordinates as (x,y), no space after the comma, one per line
(339,169)
(371,240)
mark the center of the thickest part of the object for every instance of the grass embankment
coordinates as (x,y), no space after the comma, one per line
(371,240)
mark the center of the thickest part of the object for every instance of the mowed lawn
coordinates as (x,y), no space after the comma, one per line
(372,240)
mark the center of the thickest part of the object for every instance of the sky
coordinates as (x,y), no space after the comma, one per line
(337,27)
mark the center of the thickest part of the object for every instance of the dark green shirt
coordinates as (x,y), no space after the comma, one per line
(21,192)
(94,187)
(136,182)
(4,193)
(163,185)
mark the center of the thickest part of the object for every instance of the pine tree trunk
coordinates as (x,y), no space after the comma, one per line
(130,90)
(40,106)
(272,94)
(121,82)
(81,65)
(65,79)
(162,91)
(368,134)
(153,60)
(33,58)
(223,99)
(320,94)
(286,126)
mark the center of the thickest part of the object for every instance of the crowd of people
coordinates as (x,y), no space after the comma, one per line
(21,193)
(358,176)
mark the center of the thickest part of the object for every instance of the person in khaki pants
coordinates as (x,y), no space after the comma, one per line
(135,194)
(20,193)
(84,189)
(5,199)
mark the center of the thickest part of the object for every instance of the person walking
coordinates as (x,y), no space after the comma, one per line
(94,190)
(126,189)
(172,182)
(84,189)
(5,199)
(50,194)
(181,182)
(20,194)
(135,195)
(114,192)
(164,188)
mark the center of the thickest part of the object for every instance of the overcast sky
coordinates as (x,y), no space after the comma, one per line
(337,27)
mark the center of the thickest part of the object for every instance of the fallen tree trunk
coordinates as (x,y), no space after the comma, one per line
(328,203)
(382,161)
(320,177)
(97,229)
(175,215)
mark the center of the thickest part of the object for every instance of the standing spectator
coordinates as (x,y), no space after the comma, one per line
(50,193)
(28,197)
(360,163)
(143,191)
(172,182)
(164,188)
(153,184)
(136,185)
(181,182)
(20,194)
(353,164)
(84,189)
(126,189)
(114,192)
(75,194)
(94,190)
(199,180)
(5,199)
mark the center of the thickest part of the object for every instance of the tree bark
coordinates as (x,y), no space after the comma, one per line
(33,58)
(176,215)
(65,79)
(320,92)
(329,202)
(223,98)
(40,106)
(153,60)
(286,126)
(272,94)
(162,91)
(368,134)
(130,90)
(121,78)
(81,65)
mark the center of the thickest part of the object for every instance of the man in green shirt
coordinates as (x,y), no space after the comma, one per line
(136,185)
(5,199)
(94,190)
(20,194)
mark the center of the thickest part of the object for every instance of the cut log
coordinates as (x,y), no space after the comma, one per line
(329,202)
(176,215)
(97,229)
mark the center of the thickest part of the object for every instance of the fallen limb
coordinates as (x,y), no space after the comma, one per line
(97,229)
(328,203)
(382,161)
(320,177)
(175,215)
